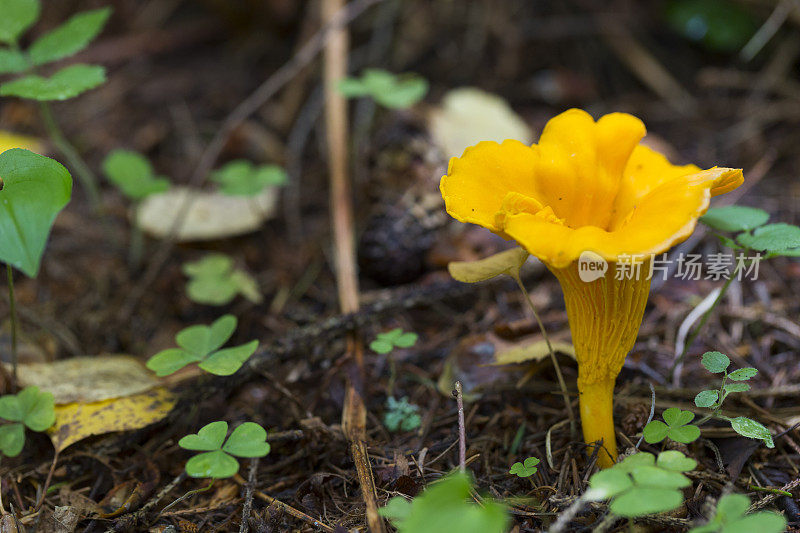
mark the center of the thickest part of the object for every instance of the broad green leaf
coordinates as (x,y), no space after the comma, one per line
(132,174)
(675,417)
(676,461)
(646,500)
(636,460)
(743,374)
(221,331)
(396,509)
(507,262)
(16,16)
(684,434)
(229,360)
(655,431)
(37,408)
(209,438)
(653,476)
(247,440)
(63,85)
(70,37)
(763,522)
(446,506)
(736,387)
(608,483)
(706,398)
(771,238)
(716,362)
(35,189)
(11,61)
(12,439)
(733,506)
(171,360)
(747,427)
(217,465)
(11,409)
(735,218)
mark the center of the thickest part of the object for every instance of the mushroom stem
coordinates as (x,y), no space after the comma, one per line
(597,419)
(604,318)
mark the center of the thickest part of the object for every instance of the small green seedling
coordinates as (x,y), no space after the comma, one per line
(66,40)
(201,344)
(731,517)
(133,175)
(389,90)
(401,415)
(242,178)
(753,231)
(33,190)
(676,426)
(29,408)
(446,506)
(218,461)
(642,484)
(526,468)
(718,363)
(396,338)
(213,280)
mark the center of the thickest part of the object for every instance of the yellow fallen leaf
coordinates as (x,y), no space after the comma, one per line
(10,140)
(468,116)
(77,421)
(506,262)
(534,351)
(89,378)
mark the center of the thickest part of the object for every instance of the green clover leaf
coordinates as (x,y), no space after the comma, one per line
(389,90)
(731,517)
(526,468)
(675,426)
(401,415)
(643,484)
(132,174)
(242,178)
(213,280)
(387,341)
(201,344)
(446,506)
(247,440)
(29,408)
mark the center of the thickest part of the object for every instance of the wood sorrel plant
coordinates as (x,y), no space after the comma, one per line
(587,187)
